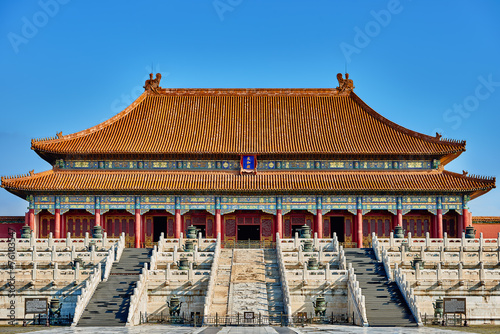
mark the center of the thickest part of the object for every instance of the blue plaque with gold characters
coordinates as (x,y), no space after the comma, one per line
(248,163)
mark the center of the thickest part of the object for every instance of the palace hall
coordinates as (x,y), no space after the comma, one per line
(248,164)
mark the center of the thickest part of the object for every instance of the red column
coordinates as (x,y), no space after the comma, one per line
(465,215)
(137,228)
(57,227)
(359,228)
(400,217)
(279,222)
(433,231)
(97,217)
(31,220)
(319,223)
(439,223)
(218,223)
(177,224)
(63,226)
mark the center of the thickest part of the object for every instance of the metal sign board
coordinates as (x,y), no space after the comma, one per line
(35,305)
(249,315)
(455,305)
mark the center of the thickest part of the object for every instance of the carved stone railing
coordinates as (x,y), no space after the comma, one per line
(87,291)
(108,264)
(439,275)
(408,295)
(213,277)
(203,244)
(287,304)
(138,299)
(304,274)
(46,244)
(356,299)
(429,244)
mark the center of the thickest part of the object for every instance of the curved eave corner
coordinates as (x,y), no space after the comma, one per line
(39,145)
(455,147)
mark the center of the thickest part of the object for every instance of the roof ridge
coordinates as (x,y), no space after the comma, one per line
(250,91)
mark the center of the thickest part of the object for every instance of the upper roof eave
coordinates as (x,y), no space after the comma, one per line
(449,150)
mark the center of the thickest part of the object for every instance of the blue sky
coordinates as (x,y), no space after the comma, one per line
(427,65)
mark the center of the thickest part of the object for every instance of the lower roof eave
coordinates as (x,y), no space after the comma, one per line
(220,192)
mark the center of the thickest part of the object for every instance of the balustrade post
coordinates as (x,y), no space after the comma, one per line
(68,239)
(53,254)
(190,272)
(460,271)
(50,241)
(439,273)
(77,271)
(55,276)
(167,273)
(175,255)
(482,273)
(33,271)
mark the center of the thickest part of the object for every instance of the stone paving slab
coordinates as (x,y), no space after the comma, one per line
(326,329)
(157,329)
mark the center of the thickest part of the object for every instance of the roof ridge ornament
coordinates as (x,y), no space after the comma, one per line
(153,85)
(345,85)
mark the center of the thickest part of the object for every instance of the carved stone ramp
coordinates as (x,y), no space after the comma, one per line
(273,284)
(248,292)
(385,306)
(110,302)
(222,282)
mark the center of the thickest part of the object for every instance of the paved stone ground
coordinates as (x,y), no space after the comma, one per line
(157,329)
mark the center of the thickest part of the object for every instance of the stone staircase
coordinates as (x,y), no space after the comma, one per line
(385,306)
(273,284)
(221,291)
(248,291)
(110,302)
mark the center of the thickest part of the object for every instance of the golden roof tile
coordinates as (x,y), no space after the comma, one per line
(276,182)
(248,121)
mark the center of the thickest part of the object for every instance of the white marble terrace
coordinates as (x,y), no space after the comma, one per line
(452,267)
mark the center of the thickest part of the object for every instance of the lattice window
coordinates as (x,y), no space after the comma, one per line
(288,228)
(230,227)
(298,221)
(326,228)
(210,227)
(170,227)
(348,227)
(267,227)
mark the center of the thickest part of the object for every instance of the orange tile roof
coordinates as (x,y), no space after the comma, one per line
(59,180)
(248,121)
(485,219)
